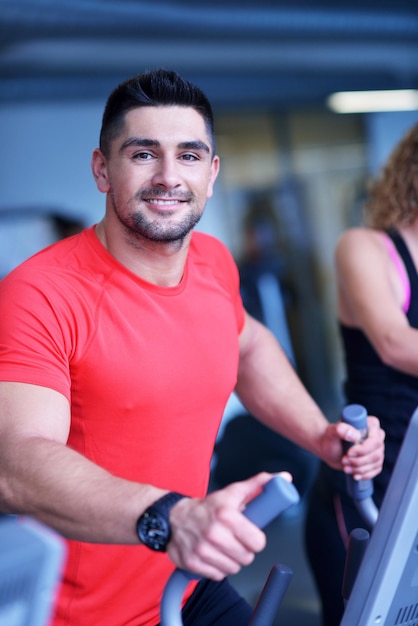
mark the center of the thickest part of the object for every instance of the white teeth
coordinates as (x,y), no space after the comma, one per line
(163,202)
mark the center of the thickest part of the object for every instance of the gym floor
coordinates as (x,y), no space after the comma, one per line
(300,606)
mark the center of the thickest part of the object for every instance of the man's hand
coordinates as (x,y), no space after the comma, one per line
(364,460)
(211,536)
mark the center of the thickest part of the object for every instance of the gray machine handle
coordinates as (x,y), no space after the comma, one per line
(277,496)
(361,491)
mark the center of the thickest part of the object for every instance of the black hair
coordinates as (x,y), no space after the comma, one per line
(154,88)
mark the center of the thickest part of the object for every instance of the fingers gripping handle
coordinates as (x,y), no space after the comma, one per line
(356,416)
(277,496)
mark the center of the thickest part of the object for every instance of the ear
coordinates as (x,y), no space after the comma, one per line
(99,169)
(214,173)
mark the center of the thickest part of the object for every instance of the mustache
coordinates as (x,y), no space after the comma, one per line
(145,194)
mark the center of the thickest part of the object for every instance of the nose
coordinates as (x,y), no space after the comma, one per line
(166,173)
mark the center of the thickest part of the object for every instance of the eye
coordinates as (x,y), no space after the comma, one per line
(142,156)
(188,156)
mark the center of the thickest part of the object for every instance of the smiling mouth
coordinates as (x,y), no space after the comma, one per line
(164,203)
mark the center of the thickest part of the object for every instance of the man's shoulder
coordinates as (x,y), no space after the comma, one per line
(59,254)
(56,271)
(211,256)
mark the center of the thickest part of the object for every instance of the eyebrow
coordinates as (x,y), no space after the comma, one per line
(195,145)
(142,142)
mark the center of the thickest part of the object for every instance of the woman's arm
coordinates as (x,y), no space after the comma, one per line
(370,297)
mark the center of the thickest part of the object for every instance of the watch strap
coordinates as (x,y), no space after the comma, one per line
(159,510)
(164,504)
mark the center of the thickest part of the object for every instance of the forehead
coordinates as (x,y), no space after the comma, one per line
(165,123)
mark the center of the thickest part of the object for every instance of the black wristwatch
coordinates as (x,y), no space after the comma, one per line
(153,527)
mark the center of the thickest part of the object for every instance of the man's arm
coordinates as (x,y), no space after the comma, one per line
(42,477)
(270,389)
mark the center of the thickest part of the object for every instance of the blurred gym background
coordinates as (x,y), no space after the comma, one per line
(293,177)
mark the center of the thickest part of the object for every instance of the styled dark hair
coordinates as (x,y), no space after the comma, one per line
(154,88)
(393,199)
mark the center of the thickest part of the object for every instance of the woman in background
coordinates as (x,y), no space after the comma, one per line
(377,291)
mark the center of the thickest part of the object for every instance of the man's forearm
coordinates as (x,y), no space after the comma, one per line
(63,489)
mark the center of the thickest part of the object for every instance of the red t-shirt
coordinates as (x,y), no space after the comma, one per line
(148,371)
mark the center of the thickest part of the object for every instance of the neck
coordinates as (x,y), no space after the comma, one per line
(159,263)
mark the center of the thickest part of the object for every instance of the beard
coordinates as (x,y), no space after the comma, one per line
(165,227)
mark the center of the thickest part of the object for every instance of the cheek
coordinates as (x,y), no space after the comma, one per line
(124,184)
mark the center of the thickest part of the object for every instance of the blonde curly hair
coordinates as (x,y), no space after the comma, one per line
(393,195)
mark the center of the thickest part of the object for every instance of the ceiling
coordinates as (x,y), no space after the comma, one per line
(243,54)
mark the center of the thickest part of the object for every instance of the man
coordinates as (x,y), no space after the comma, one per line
(119,349)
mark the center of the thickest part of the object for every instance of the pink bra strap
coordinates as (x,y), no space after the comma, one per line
(394,255)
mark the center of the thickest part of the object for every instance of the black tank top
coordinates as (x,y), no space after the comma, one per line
(385,392)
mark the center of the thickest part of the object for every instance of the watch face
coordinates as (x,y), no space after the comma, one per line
(154,531)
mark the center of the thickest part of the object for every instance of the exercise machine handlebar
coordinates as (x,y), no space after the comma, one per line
(361,491)
(277,495)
